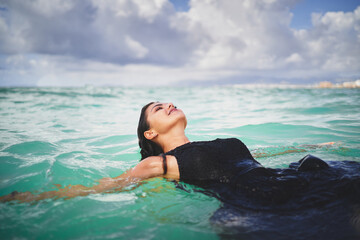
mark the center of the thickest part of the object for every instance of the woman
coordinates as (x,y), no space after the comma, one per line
(225,169)
(167,152)
(258,202)
(308,200)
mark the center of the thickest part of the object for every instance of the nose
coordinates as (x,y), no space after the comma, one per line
(170,105)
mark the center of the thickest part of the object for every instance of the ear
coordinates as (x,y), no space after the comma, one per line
(150,134)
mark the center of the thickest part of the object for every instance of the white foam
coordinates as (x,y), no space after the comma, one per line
(114,197)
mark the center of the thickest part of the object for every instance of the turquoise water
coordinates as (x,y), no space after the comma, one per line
(79,135)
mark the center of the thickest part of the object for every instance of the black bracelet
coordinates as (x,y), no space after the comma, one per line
(164,163)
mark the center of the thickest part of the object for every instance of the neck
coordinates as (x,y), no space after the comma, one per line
(172,141)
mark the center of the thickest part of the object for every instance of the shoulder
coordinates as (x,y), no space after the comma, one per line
(227,144)
(151,162)
(154,167)
(213,142)
(149,167)
(197,145)
(227,141)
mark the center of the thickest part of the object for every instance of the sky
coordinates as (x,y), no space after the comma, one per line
(178,42)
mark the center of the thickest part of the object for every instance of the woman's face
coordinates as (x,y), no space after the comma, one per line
(162,117)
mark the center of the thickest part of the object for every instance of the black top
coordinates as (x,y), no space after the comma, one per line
(227,167)
(309,195)
(215,161)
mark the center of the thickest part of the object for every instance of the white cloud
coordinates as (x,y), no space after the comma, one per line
(66,42)
(110,31)
(294,58)
(241,34)
(139,51)
(149,9)
(333,44)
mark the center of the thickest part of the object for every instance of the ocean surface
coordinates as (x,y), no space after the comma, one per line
(74,136)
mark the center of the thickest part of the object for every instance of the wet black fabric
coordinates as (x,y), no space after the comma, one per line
(213,161)
(310,193)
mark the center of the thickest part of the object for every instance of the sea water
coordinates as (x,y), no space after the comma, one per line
(74,136)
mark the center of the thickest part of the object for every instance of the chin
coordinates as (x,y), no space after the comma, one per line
(180,117)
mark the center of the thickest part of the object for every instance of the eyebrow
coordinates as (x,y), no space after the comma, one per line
(159,104)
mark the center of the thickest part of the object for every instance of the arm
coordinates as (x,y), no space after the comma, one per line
(147,168)
(263,154)
(292,150)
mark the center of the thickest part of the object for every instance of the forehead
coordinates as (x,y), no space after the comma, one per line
(152,106)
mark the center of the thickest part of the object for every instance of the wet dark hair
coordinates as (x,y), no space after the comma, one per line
(147,148)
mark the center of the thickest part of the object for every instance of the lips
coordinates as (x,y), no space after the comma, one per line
(172,110)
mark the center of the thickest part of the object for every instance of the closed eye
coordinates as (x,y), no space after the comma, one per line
(157,109)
